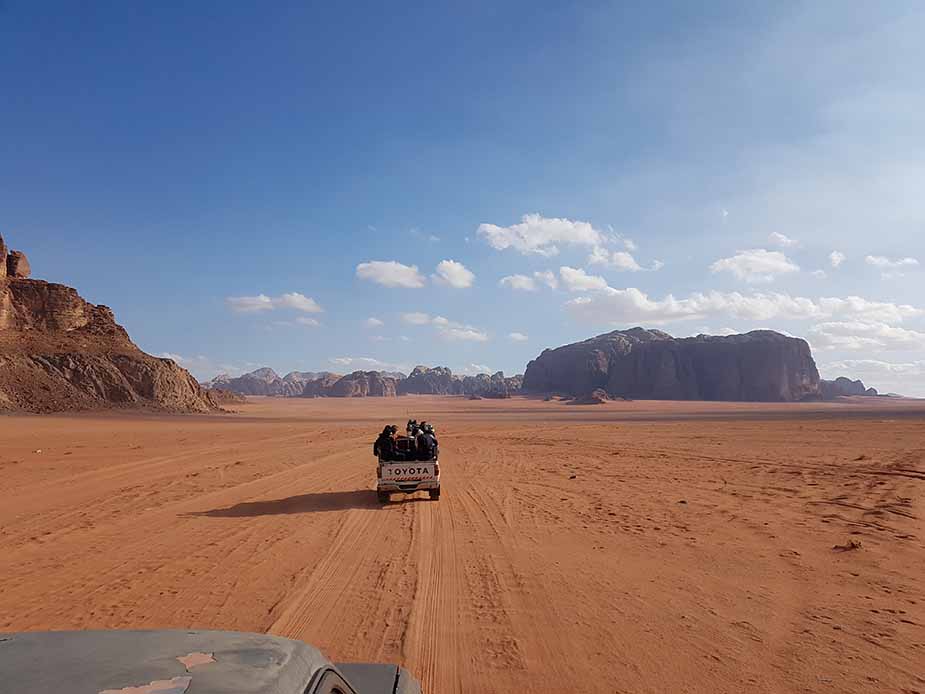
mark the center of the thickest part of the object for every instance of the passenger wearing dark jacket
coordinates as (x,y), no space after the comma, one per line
(427,444)
(384,447)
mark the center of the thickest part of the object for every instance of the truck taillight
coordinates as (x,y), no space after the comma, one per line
(436,468)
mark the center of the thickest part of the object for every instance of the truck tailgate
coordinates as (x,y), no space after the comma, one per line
(414,471)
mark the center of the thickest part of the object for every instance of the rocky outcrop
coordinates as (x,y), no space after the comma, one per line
(598,396)
(760,366)
(59,352)
(265,381)
(424,380)
(844,387)
(440,380)
(17,265)
(224,396)
(493,386)
(320,387)
(13,263)
(362,384)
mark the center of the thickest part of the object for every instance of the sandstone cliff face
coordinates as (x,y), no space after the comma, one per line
(493,386)
(320,387)
(362,384)
(423,380)
(650,364)
(59,352)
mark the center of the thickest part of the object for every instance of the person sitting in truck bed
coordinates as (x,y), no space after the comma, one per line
(427,443)
(384,447)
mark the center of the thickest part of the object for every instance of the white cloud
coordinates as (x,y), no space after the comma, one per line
(547,277)
(821,274)
(885,263)
(454,274)
(367,364)
(446,328)
(474,370)
(621,260)
(836,258)
(373,323)
(518,282)
(622,306)
(416,318)
(529,284)
(858,335)
(890,267)
(456,332)
(755,265)
(782,240)
(577,280)
(262,302)
(517,337)
(540,235)
(305,320)
(390,273)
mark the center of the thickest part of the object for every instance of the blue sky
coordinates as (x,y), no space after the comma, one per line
(248,185)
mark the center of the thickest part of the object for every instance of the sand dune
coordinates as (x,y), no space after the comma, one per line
(625,547)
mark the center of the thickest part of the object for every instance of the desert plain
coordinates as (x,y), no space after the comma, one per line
(624,547)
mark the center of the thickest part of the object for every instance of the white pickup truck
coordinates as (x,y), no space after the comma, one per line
(407,477)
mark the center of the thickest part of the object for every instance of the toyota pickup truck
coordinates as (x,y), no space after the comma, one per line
(183,662)
(407,478)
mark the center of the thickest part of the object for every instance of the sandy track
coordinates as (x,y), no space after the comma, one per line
(634,547)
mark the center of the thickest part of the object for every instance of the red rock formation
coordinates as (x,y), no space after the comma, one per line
(650,364)
(59,352)
(17,265)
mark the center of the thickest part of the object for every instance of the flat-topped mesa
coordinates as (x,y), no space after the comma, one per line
(762,366)
(60,352)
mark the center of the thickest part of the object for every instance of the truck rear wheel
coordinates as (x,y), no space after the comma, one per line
(384,497)
(435,493)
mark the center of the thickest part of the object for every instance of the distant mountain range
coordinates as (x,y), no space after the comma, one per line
(760,366)
(422,381)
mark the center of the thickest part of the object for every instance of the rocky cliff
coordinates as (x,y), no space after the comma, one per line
(842,387)
(265,381)
(424,380)
(59,352)
(650,364)
(362,384)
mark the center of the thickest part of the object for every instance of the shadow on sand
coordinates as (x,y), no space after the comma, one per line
(316,502)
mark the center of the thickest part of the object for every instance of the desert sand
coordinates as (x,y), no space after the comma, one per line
(624,547)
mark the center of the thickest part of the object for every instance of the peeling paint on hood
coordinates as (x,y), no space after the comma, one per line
(192,660)
(177,685)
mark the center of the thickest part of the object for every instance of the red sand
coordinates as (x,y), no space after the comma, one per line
(624,547)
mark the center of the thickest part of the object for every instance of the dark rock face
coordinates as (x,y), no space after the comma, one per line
(362,384)
(494,386)
(17,265)
(761,366)
(320,387)
(438,380)
(2,258)
(843,387)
